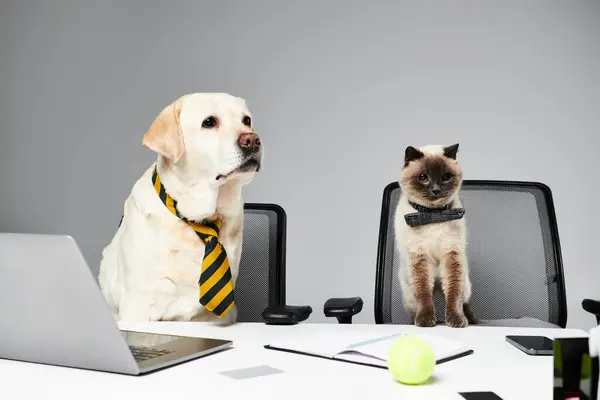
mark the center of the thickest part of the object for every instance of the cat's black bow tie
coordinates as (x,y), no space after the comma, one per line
(426,215)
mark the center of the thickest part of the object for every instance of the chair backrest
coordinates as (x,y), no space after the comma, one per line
(513,253)
(261,276)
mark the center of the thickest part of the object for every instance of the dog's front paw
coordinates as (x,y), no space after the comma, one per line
(425,318)
(456,320)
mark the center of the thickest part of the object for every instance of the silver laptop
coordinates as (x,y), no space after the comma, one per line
(54,313)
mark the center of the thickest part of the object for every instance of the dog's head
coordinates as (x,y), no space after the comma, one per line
(208,134)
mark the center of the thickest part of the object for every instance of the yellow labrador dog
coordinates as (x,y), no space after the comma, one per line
(207,150)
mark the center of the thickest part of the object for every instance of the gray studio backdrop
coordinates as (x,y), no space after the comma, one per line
(337,88)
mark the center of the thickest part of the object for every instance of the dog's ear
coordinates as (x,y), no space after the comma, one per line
(412,154)
(451,151)
(164,135)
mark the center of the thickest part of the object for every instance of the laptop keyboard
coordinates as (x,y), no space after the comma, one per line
(146,353)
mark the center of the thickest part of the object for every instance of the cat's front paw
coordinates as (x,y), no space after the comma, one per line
(456,320)
(425,318)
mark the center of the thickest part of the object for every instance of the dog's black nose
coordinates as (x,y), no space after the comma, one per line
(249,141)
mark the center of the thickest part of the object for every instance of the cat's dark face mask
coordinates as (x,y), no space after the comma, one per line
(436,182)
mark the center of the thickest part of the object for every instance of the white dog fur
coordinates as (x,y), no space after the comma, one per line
(150,269)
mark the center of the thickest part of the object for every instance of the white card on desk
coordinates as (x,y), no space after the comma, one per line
(251,372)
(371,352)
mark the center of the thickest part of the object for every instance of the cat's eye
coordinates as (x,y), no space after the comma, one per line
(209,122)
(422,178)
(247,121)
(447,176)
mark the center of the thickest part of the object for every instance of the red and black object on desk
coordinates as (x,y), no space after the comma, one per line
(575,372)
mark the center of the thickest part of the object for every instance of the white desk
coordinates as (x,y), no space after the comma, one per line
(495,366)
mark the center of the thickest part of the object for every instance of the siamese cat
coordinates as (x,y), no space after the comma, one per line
(430,236)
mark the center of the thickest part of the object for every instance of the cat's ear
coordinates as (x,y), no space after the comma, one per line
(412,154)
(451,151)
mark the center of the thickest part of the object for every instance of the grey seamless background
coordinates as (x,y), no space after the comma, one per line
(338,90)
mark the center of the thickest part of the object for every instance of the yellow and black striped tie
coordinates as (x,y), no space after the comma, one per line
(216,284)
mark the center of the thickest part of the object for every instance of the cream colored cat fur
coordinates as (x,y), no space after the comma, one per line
(432,255)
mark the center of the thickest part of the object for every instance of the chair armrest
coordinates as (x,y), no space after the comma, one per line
(593,307)
(343,308)
(281,314)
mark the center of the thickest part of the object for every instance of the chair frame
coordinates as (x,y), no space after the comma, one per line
(593,307)
(278,312)
(277,295)
(383,229)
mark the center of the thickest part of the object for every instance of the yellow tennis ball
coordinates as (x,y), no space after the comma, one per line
(411,360)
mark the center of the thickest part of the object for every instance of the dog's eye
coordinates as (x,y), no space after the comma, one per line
(247,121)
(422,178)
(447,176)
(209,122)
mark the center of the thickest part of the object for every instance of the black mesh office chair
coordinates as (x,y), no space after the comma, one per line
(514,256)
(260,285)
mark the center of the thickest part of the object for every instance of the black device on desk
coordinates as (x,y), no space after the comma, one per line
(532,345)
(575,371)
(480,396)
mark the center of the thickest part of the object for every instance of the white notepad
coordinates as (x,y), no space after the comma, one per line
(372,352)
